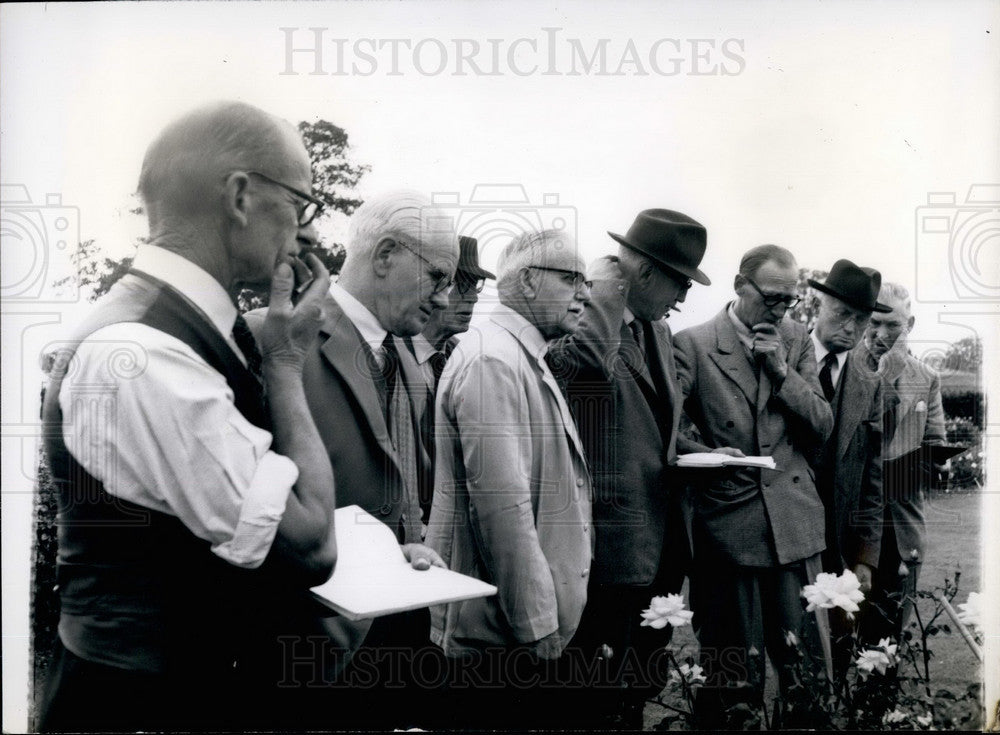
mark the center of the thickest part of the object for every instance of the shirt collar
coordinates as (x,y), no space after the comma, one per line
(361,317)
(422,349)
(628,316)
(193,282)
(743,332)
(524,331)
(822,352)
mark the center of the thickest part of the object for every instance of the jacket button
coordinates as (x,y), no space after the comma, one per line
(730,424)
(385,509)
(585,572)
(579,482)
(795,479)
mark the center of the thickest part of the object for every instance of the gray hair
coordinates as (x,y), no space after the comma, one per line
(197,150)
(404,212)
(895,292)
(525,250)
(754,258)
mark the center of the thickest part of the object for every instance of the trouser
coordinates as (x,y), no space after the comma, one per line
(741,612)
(509,688)
(890,601)
(85,696)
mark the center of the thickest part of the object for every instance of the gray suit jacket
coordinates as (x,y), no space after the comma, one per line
(755,517)
(914,416)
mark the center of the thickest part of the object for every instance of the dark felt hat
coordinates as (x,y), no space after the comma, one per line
(853,285)
(670,238)
(468,258)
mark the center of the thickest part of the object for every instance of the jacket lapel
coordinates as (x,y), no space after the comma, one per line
(345,354)
(854,395)
(632,357)
(666,354)
(731,358)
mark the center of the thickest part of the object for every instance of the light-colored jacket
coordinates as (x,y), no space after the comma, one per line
(512,493)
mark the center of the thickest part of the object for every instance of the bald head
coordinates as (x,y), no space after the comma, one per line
(189,159)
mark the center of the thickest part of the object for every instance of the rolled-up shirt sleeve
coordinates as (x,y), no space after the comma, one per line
(150,419)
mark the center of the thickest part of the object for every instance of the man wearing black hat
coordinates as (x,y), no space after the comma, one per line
(425,355)
(749,385)
(620,376)
(849,464)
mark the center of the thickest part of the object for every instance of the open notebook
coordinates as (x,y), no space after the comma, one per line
(372,577)
(713,459)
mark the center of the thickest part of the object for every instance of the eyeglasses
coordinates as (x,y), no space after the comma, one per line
(308,210)
(442,280)
(579,279)
(773,299)
(464,284)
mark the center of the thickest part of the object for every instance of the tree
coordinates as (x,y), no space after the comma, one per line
(335,177)
(965,355)
(805,311)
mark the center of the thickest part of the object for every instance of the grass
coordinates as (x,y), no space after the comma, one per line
(952,545)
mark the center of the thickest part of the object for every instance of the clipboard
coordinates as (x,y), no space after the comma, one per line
(373,578)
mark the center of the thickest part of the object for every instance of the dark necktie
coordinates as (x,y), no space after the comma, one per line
(826,375)
(248,346)
(639,336)
(390,366)
(437,361)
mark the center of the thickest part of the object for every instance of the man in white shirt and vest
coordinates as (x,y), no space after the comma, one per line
(187,502)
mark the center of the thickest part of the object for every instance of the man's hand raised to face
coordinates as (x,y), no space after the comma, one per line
(770,348)
(290,328)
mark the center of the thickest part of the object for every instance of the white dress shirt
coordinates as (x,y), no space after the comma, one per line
(362,318)
(148,417)
(822,352)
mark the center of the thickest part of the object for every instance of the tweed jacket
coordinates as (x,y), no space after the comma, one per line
(628,421)
(849,469)
(914,416)
(756,517)
(511,492)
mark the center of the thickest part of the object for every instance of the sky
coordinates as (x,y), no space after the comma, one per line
(839,130)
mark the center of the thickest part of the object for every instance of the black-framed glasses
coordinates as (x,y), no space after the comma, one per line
(773,299)
(579,279)
(442,280)
(310,207)
(465,283)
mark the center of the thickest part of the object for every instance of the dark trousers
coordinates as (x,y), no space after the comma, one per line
(510,689)
(890,601)
(741,612)
(84,696)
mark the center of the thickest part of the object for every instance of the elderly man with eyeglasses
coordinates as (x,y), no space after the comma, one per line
(423,356)
(399,266)
(749,383)
(191,508)
(512,494)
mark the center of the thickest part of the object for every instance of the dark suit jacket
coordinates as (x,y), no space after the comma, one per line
(755,517)
(627,419)
(345,406)
(850,469)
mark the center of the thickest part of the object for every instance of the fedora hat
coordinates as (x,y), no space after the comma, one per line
(673,240)
(854,285)
(468,258)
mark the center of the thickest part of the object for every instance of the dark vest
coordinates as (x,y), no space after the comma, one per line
(138,589)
